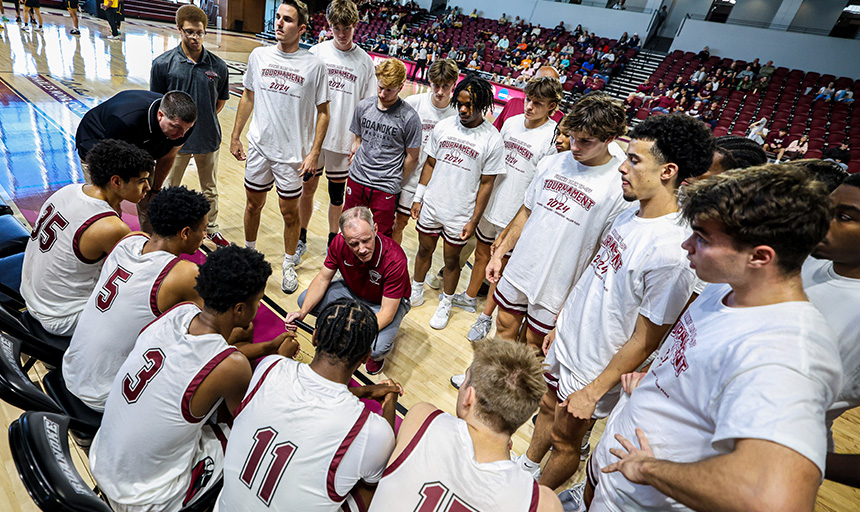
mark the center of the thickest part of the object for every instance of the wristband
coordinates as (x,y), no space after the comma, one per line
(419,193)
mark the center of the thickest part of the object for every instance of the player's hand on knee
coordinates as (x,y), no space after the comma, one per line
(631,459)
(630,381)
(580,405)
(416,210)
(237,150)
(548,340)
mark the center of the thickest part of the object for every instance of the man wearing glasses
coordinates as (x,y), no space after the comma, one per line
(203,75)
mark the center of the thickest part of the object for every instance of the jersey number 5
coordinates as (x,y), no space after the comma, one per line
(110,290)
(433,500)
(46,228)
(132,390)
(281,455)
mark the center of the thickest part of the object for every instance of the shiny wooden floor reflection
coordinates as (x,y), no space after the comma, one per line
(50,79)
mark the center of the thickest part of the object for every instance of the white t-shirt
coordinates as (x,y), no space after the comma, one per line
(325,437)
(351,78)
(430,115)
(766,372)
(463,155)
(287,89)
(524,148)
(640,269)
(838,299)
(571,205)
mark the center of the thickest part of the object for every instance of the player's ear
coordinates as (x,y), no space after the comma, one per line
(184,233)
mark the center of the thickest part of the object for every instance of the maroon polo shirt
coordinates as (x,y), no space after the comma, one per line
(384,275)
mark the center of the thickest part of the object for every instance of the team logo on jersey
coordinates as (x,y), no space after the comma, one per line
(683,335)
(375,277)
(212,75)
(565,192)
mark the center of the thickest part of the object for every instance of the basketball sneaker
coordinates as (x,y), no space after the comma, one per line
(291,279)
(38,29)
(374,367)
(463,301)
(434,280)
(5,18)
(75,32)
(457,380)
(480,329)
(529,466)
(216,238)
(301,249)
(571,498)
(443,312)
(417,297)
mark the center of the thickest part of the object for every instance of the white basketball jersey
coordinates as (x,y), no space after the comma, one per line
(438,471)
(289,439)
(146,446)
(57,278)
(124,301)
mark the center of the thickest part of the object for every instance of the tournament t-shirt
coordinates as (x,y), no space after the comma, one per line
(723,373)
(571,205)
(351,78)
(837,298)
(640,269)
(429,115)
(287,89)
(463,155)
(385,136)
(524,148)
(384,275)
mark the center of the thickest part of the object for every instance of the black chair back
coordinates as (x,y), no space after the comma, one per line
(16,388)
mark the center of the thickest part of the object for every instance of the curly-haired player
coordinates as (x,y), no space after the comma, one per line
(464,156)
(310,408)
(154,450)
(77,226)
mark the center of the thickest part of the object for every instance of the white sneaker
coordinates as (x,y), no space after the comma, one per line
(433,279)
(417,297)
(534,471)
(457,380)
(443,312)
(301,249)
(480,329)
(571,498)
(291,280)
(463,301)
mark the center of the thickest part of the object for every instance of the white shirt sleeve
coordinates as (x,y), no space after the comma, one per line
(322,92)
(367,456)
(432,145)
(667,290)
(250,72)
(494,163)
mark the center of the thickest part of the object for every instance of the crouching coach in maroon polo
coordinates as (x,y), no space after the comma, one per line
(374,271)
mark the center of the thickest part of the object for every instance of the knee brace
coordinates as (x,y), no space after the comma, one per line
(335,192)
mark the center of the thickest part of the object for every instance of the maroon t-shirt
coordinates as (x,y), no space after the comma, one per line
(384,275)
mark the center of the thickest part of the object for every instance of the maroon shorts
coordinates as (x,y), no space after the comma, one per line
(382,204)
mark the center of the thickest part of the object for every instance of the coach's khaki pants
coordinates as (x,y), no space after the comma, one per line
(207,170)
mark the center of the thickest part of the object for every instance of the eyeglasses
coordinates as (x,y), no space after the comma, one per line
(194,35)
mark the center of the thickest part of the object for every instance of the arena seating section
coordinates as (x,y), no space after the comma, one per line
(787,102)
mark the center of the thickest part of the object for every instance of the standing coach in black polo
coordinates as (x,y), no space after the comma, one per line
(157,124)
(191,68)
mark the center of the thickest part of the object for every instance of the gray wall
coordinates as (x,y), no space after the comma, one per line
(818,14)
(761,11)
(680,8)
(823,54)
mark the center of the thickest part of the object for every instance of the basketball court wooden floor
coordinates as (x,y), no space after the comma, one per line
(49,80)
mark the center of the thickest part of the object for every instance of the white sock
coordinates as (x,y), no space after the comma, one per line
(484,317)
(527,462)
(288,259)
(416,284)
(251,245)
(466,295)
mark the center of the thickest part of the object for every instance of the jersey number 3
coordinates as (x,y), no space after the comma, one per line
(110,290)
(47,227)
(281,455)
(433,500)
(132,390)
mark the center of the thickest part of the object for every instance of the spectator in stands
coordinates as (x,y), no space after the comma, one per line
(712,115)
(473,64)
(664,104)
(758,131)
(746,84)
(559,29)
(777,142)
(704,55)
(767,70)
(474,14)
(634,42)
(700,75)
(839,156)
(755,66)
(748,72)
(825,93)
(795,150)
(759,86)
(844,95)
(696,110)
(503,19)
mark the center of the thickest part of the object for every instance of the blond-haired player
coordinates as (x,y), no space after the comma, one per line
(351,78)
(385,149)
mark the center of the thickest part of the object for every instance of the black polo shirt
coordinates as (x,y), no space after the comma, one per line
(130,116)
(206,81)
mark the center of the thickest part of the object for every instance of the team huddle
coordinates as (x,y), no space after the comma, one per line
(701,300)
